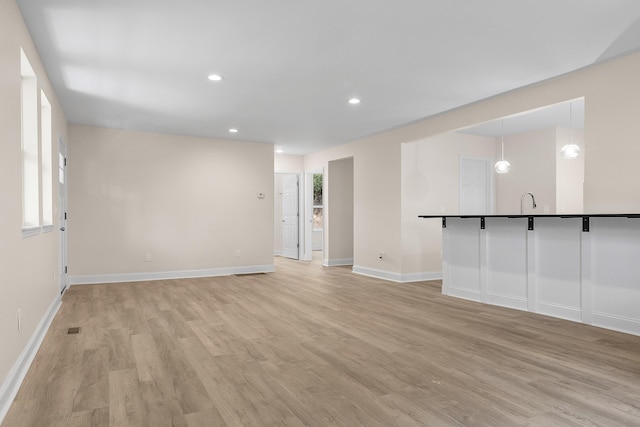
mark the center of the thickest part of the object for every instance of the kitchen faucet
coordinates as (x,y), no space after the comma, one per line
(533,199)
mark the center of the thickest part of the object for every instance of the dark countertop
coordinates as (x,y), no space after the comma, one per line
(582,215)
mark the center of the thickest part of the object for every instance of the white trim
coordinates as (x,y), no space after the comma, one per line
(397,277)
(468,294)
(558,310)
(166,275)
(30,231)
(617,323)
(47,228)
(509,301)
(424,276)
(337,262)
(16,375)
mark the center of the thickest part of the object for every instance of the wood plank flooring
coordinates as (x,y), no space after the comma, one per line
(317,346)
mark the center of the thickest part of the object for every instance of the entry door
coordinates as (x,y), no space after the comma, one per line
(290,216)
(476,186)
(62,211)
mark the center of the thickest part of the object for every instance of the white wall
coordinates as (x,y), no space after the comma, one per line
(277,214)
(533,158)
(339,212)
(29,266)
(569,173)
(288,163)
(376,193)
(189,202)
(611,92)
(430,185)
(612,116)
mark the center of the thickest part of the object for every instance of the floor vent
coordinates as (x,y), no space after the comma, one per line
(74,330)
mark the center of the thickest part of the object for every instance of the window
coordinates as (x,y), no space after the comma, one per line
(30,166)
(46,168)
(317,202)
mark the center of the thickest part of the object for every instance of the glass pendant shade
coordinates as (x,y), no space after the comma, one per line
(570,151)
(502,166)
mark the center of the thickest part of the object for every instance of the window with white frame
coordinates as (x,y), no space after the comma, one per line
(30,164)
(46,160)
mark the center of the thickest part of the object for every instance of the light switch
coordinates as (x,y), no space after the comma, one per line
(260,195)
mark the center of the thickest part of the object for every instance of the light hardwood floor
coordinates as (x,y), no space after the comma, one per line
(310,345)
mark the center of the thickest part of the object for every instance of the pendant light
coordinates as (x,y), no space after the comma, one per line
(571,150)
(502,166)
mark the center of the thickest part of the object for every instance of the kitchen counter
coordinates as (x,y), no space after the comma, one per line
(580,267)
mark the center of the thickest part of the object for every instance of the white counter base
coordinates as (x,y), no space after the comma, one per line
(555,269)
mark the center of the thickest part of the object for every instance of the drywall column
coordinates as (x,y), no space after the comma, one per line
(612,126)
(339,232)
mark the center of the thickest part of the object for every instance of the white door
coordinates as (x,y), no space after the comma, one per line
(62,211)
(476,188)
(290,216)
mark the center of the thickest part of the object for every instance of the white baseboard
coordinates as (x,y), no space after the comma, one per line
(397,277)
(468,294)
(337,262)
(560,311)
(16,375)
(509,301)
(166,275)
(617,323)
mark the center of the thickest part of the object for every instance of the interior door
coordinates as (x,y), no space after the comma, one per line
(62,212)
(290,216)
(476,188)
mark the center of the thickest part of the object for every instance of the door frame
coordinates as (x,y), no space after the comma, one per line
(62,216)
(307,208)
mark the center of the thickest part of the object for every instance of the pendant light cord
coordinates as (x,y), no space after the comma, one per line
(502,140)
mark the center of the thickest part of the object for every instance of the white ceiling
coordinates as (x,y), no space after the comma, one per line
(289,66)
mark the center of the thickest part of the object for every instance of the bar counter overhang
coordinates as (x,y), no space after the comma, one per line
(580,267)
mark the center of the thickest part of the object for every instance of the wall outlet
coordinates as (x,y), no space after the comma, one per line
(147,257)
(19,319)
(237,253)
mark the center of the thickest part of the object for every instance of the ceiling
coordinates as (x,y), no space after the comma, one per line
(290,66)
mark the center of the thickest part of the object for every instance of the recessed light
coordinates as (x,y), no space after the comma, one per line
(354,101)
(215,77)
(279,151)
(233,130)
